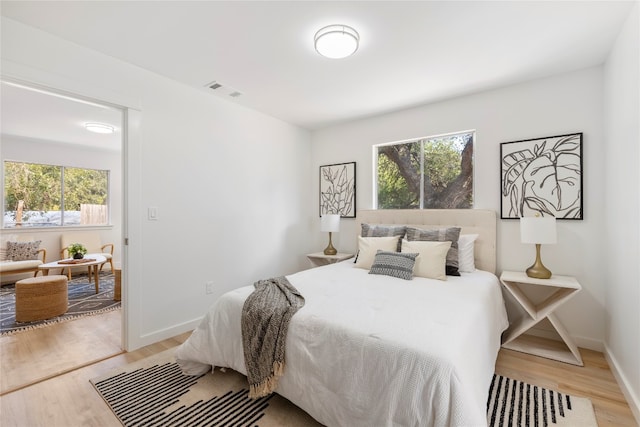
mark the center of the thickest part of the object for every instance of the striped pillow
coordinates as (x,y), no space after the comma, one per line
(445,234)
(394,264)
(384,231)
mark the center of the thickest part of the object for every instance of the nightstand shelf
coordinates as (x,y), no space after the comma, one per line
(319,259)
(561,289)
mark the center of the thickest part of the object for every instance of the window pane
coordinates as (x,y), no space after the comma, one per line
(399,176)
(85,196)
(448,172)
(31,195)
(431,173)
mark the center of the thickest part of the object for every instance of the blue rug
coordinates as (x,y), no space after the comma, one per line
(83,301)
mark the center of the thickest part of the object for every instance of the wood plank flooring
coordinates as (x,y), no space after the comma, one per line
(593,380)
(69,399)
(31,356)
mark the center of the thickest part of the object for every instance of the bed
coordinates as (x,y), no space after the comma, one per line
(373,350)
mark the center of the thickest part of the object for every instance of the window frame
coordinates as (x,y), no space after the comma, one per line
(62,199)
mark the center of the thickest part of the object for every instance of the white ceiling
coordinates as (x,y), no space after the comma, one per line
(411,53)
(45,117)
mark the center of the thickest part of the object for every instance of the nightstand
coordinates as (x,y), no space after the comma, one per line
(319,259)
(559,289)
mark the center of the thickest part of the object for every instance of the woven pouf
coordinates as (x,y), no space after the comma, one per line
(40,298)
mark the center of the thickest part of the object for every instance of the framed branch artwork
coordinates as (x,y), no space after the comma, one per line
(338,189)
(542,176)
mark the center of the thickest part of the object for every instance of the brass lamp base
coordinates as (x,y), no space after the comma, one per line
(538,270)
(330,250)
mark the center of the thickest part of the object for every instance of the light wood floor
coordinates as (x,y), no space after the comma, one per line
(69,399)
(593,380)
(31,356)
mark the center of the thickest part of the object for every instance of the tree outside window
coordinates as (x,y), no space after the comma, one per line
(37,195)
(429,173)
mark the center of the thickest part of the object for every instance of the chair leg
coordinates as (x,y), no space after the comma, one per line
(111,264)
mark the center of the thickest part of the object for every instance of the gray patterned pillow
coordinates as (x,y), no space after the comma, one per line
(394,264)
(384,231)
(446,234)
(22,251)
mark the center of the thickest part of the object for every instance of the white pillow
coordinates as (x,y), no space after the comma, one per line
(432,258)
(466,254)
(369,246)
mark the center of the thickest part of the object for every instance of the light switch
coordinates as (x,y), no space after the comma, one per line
(152,213)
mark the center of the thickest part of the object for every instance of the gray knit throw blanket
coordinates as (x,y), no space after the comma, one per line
(265,320)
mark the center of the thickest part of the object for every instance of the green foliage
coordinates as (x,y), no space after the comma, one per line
(441,161)
(87,186)
(393,191)
(40,187)
(76,248)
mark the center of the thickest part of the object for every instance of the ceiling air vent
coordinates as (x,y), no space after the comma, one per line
(222,89)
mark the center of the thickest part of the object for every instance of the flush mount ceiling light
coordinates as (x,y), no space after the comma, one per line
(336,41)
(99,128)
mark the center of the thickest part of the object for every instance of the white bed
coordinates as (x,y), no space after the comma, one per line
(373,350)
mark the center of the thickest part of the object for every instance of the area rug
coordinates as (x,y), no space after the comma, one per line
(153,392)
(83,301)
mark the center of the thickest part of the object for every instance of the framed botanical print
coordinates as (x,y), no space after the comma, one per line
(338,189)
(542,176)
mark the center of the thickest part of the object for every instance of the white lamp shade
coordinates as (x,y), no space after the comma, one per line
(330,223)
(538,229)
(336,41)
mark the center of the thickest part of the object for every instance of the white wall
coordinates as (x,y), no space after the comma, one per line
(622,199)
(231,185)
(49,152)
(553,106)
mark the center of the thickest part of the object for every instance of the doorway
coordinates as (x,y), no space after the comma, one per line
(48,127)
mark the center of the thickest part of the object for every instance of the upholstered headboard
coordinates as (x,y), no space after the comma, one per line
(471,221)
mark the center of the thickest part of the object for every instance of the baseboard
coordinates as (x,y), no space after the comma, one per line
(632,399)
(163,334)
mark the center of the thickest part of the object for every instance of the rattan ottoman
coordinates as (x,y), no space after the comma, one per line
(40,298)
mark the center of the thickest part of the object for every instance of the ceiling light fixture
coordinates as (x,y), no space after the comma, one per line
(336,41)
(99,128)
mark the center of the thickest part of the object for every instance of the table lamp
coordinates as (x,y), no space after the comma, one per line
(330,223)
(538,230)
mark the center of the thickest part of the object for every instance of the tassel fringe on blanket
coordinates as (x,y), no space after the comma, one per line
(265,321)
(267,386)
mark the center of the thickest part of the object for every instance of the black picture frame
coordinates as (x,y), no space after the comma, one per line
(542,176)
(338,189)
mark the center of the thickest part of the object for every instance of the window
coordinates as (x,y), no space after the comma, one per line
(38,195)
(429,173)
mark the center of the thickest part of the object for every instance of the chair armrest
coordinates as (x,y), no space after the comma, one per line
(44,255)
(104,246)
(62,254)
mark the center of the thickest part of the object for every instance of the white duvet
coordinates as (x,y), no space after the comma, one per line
(371,350)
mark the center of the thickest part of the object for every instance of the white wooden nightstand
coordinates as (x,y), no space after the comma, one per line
(319,259)
(560,289)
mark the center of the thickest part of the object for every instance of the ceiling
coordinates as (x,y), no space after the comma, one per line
(411,53)
(45,117)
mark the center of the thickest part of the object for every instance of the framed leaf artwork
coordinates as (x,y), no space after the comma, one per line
(542,176)
(338,189)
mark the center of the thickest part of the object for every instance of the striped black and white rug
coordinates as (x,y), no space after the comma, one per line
(516,403)
(155,393)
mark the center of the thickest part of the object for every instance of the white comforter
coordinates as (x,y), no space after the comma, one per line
(370,350)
